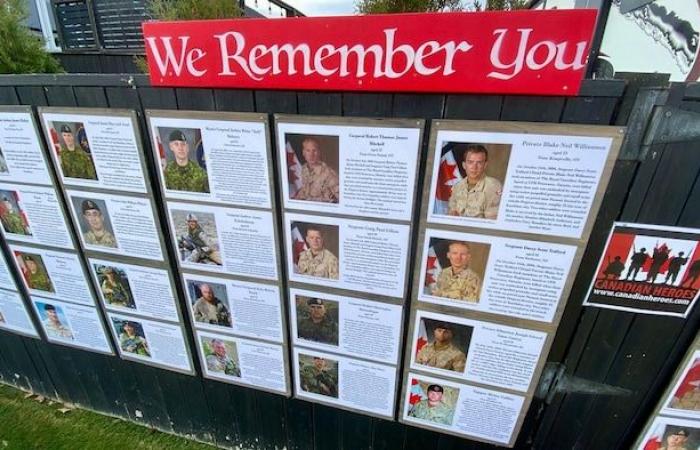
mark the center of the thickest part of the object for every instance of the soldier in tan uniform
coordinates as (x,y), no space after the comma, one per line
(477,195)
(458,281)
(319,183)
(317,261)
(98,234)
(442,353)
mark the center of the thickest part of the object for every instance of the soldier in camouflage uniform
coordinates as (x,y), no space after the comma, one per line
(458,281)
(317,261)
(318,325)
(12,222)
(53,325)
(219,361)
(209,309)
(36,277)
(114,291)
(75,162)
(319,183)
(196,242)
(3,164)
(98,234)
(477,195)
(442,353)
(318,378)
(433,408)
(181,174)
(132,342)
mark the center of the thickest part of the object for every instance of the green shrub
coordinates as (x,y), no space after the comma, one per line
(21,51)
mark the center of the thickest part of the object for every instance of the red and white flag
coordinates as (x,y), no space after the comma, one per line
(656,439)
(448,175)
(690,381)
(293,171)
(55,142)
(432,268)
(298,244)
(417,393)
(422,336)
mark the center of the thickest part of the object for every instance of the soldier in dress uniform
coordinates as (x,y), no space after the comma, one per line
(114,290)
(132,342)
(75,162)
(477,195)
(442,353)
(317,261)
(319,378)
(11,220)
(319,183)
(219,361)
(433,408)
(53,325)
(318,325)
(458,281)
(182,174)
(196,242)
(36,276)
(97,234)
(209,309)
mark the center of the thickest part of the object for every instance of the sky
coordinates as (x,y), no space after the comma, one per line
(323,7)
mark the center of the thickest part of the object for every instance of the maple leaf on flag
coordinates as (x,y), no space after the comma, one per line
(448,176)
(293,170)
(432,268)
(422,337)
(298,244)
(416,393)
(654,441)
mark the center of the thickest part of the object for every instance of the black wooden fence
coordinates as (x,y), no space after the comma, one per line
(654,181)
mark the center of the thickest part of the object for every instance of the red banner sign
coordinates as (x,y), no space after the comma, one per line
(520,52)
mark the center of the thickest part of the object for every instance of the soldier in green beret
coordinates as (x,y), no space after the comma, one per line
(12,222)
(75,162)
(36,276)
(98,234)
(219,361)
(318,325)
(319,378)
(182,174)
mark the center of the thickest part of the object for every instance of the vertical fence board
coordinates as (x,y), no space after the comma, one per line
(91,96)
(8,96)
(234,100)
(195,99)
(60,96)
(367,105)
(473,107)
(529,108)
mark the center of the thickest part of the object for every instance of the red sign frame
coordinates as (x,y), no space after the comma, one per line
(516,52)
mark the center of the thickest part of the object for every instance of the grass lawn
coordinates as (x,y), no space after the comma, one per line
(27,424)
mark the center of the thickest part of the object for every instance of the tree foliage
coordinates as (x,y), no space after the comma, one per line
(21,51)
(194,9)
(405,6)
(500,5)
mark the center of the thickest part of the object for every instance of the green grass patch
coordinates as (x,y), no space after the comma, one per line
(26,423)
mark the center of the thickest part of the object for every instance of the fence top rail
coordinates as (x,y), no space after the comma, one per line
(589,88)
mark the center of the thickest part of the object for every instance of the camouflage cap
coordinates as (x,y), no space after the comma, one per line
(435,388)
(177,135)
(192,218)
(87,205)
(26,257)
(65,129)
(314,301)
(107,270)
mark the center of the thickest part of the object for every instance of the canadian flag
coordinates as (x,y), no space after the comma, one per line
(55,141)
(448,176)
(298,244)
(422,336)
(161,153)
(432,268)
(691,380)
(656,439)
(417,393)
(293,171)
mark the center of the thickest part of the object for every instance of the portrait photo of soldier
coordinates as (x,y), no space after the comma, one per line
(676,437)
(210,304)
(12,217)
(686,395)
(444,346)
(315,247)
(317,319)
(469,182)
(73,150)
(318,375)
(313,167)
(95,223)
(114,286)
(433,402)
(132,338)
(34,271)
(457,270)
(221,356)
(54,321)
(197,238)
(3,163)
(183,161)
